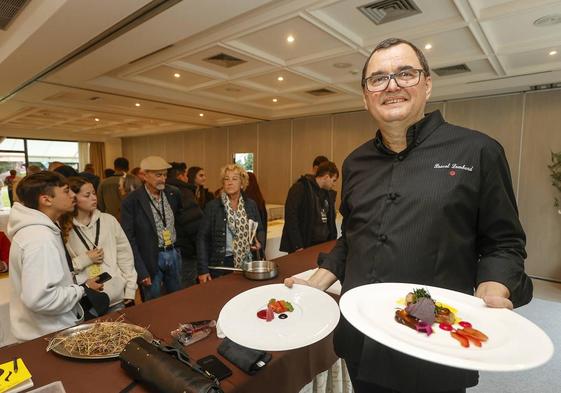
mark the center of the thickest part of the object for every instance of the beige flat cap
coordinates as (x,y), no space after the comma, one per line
(154,163)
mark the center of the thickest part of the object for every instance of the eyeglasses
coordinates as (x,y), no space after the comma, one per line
(406,78)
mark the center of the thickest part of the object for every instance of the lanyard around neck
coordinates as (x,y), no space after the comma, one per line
(82,235)
(162,213)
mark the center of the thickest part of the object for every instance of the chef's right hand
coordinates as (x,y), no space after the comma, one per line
(204,278)
(146,282)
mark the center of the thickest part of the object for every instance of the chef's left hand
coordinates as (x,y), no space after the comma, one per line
(494,294)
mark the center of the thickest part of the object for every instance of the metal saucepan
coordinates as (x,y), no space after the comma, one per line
(255,270)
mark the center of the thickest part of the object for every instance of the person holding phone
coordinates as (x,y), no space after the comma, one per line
(99,247)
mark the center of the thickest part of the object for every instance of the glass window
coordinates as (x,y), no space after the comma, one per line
(245,160)
(9,161)
(12,144)
(42,153)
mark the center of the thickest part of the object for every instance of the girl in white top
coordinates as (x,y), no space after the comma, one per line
(96,242)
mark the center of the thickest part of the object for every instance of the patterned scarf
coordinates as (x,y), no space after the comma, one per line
(238,224)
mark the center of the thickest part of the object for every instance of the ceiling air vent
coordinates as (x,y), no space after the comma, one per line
(451,70)
(321,92)
(224,60)
(384,11)
(9,9)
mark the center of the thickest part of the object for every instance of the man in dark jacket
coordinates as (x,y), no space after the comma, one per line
(187,222)
(309,211)
(148,219)
(424,202)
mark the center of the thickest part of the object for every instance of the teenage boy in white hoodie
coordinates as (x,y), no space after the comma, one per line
(44,297)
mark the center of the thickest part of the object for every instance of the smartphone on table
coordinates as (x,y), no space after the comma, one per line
(214,366)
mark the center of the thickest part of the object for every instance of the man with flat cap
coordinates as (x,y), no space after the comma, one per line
(148,218)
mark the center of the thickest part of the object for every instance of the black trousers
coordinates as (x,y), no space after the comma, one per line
(366,387)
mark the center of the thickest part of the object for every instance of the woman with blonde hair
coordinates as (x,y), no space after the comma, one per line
(224,236)
(96,243)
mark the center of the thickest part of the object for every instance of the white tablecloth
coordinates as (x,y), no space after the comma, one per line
(274,212)
(274,234)
(6,336)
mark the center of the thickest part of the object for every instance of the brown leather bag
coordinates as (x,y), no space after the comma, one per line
(165,369)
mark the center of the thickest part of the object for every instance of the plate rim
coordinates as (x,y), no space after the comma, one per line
(347,305)
(278,347)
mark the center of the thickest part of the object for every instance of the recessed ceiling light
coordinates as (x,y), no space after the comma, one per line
(553,53)
(177,75)
(428,46)
(137,104)
(342,65)
(290,38)
(280,78)
(275,100)
(96,119)
(201,114)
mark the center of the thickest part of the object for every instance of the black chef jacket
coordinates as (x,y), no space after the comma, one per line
(443,213)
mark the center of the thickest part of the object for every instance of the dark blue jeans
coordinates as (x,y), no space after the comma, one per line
(168,274)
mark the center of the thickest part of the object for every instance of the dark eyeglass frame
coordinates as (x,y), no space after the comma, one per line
(393,76)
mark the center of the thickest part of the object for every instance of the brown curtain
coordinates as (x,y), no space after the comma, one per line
(97,157)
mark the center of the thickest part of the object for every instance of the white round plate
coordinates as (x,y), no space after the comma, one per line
(315,315)
(514,342)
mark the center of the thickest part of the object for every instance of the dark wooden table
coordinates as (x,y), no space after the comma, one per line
(288,371)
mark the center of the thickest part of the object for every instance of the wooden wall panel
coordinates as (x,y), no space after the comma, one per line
(243,139)
(216,155)
(285,150)
(142,149)
(311,136)
(157,145)
(194,148)
(432,106)
(498,117)
(274,160)
(128,150)
(174,147)
(539,217)
(350,130)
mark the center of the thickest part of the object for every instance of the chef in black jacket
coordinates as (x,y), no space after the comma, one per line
(425,202)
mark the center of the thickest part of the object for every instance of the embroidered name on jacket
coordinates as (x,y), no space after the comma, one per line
(450,165)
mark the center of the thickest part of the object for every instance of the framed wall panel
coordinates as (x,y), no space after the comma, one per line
(174,147)
(216,155)
(350,130)
(498,117)
(274,160)
(539,217)
(311,136)
(194,148)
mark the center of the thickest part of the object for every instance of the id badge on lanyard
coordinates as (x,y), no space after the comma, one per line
(166,235)
(94,270)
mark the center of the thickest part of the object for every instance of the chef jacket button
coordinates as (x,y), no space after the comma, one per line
(400,157)
(382,238)
(392,196)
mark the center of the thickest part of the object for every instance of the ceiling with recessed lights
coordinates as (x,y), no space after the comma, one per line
(115,69)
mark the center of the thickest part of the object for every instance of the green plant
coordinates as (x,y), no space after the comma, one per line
(555,169)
